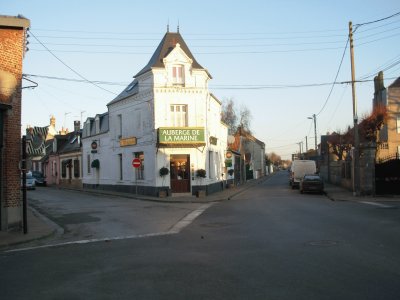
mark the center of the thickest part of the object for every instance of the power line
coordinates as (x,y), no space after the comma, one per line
(375,21)
(337,74)
(84,78)
(217,86)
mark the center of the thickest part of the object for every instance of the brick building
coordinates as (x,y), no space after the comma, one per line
(12,50)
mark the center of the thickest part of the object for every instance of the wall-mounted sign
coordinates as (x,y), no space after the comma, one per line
(127,141)
(213,140)
(181,135)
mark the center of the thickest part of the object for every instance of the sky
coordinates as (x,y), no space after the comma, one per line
(279,59)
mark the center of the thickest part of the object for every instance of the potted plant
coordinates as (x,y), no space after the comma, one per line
(95,164)
(201,173)
(163,172)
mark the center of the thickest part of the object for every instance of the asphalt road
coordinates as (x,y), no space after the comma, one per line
(270,242)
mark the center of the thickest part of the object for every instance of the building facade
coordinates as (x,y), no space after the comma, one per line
(166,118)
(13,46)
(389,135)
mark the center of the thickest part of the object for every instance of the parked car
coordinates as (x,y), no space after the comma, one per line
(312,183)
(30,182)
(299,168)
(39,178)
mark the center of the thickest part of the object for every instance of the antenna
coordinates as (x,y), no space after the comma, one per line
(177,29)
(168,25)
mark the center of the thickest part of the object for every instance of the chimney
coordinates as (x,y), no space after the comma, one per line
(77,126)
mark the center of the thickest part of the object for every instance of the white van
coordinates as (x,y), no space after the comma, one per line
(300,168)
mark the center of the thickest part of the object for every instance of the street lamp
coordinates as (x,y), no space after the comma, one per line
(314,117)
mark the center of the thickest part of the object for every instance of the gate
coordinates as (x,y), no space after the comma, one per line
(387,176)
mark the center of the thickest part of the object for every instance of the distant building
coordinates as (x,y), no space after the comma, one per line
(12,51)
(165,118)
(62,164)
(389,135)
(249,157)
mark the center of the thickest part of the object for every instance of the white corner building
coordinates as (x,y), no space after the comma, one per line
(166,117)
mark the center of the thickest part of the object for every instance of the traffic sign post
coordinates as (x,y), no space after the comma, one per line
(136,163)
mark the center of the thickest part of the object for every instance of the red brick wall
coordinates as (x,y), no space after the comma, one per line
(12,43)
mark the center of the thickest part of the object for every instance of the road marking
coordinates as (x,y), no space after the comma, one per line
(189,218)
(377,204)
(185,221)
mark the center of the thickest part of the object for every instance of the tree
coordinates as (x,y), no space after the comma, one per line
(274,158)
(340,143)
(228,115)
(235,119)
(369,128)
(372,124)
(245,119)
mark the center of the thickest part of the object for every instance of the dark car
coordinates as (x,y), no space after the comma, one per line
(312,183)
(39,178)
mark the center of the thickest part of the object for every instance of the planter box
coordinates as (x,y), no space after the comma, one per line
(162,194)
(201,194)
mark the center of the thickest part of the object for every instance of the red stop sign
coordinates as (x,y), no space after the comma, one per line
(136,163)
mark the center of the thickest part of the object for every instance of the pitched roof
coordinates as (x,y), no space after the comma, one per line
(395,84)
(130,90)
(166,45)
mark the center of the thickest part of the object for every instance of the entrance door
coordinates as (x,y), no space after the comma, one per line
(180,173)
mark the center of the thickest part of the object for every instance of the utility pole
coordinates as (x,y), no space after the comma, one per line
(314,117)
(356,150)
(299,149)
(306,144)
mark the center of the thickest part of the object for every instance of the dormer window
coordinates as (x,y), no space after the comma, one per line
(177,74)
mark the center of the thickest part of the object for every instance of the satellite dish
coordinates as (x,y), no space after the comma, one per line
(231,139)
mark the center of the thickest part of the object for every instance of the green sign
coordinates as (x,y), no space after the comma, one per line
(181,135)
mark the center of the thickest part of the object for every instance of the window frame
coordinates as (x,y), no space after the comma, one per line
(178,74)
(179,115)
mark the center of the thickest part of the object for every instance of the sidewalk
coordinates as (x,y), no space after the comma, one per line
(40,227)
(337,193)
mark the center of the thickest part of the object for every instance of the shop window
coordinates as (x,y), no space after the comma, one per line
(76,168)
(177,75)
(179,115)
(140,171)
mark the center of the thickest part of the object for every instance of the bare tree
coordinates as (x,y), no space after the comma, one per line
(274,158)
(228,115)
(234,119)
(245,119)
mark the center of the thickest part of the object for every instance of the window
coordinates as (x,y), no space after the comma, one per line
(140,171)
(64,169)
(119,126)
(54,168)
(177,74)
(212,167)
(137,121)
(88,163)
(179,115)
(76,168)
(120,166)
(398,124)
